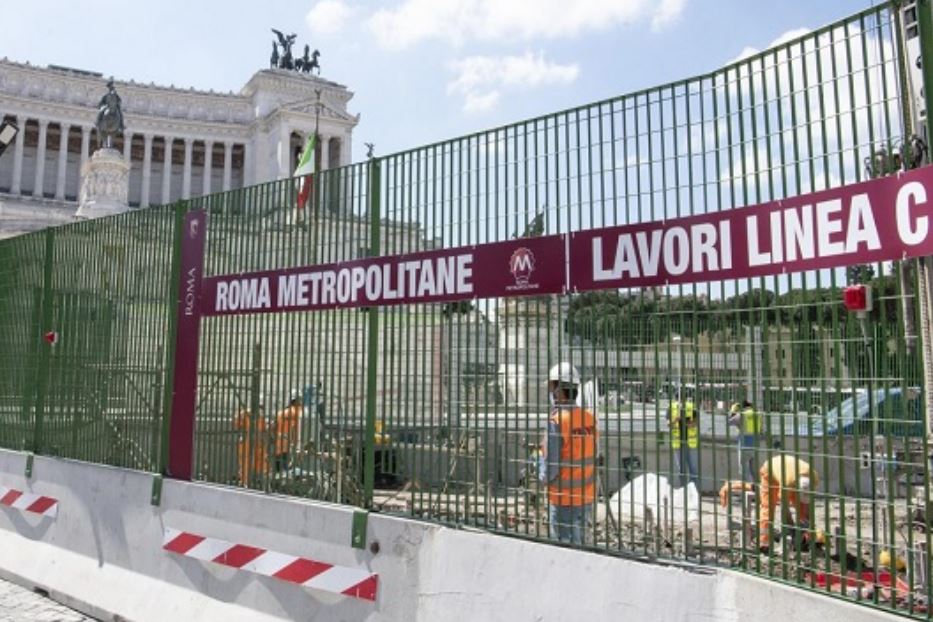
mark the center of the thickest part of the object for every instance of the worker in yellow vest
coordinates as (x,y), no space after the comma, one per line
(748,422)
(568,463)
(785,480)
(684,424)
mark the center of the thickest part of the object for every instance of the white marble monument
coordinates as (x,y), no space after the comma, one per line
(180,143)
(105,185)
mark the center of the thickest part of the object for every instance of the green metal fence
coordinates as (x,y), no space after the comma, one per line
(440,411)
(101,290)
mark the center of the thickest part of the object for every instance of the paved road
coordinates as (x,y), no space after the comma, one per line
(17,604)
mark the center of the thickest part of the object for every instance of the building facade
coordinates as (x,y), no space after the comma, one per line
(180,143)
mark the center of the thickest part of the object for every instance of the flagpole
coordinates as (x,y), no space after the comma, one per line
(317,136)
(308,157)
(317,116)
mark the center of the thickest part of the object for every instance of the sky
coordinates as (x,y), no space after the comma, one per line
(422,70)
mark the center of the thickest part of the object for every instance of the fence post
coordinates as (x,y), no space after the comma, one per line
(255,440)
(925,24)
(925,270)
(170,339)
(45,349)
(187,342)
(372,344)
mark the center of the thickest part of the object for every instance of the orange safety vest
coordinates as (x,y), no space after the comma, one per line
(286,429)
(251,448)
(243,422)
(576,479)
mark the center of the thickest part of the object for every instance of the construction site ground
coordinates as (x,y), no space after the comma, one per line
(721,537)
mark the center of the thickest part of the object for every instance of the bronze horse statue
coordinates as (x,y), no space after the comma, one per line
(308,62)
(109,117)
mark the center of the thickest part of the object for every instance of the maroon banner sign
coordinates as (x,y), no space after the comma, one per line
(879,220)
(185,377)
(523,267)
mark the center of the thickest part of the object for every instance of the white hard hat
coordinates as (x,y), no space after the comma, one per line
(803,483)
(564,372)
(295,395)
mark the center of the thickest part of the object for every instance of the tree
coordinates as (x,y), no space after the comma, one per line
(860,273)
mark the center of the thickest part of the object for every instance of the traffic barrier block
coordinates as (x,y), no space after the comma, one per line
(302,571)
(28,502)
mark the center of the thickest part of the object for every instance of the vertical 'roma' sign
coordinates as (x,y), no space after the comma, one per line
(187,339)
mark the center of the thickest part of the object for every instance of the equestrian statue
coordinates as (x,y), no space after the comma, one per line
(308,62)
(109,117)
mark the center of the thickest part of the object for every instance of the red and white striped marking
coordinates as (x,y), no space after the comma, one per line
(300,570)
(28,502)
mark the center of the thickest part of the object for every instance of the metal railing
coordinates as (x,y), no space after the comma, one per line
(440,411)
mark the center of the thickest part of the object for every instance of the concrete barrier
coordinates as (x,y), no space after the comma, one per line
(103,555)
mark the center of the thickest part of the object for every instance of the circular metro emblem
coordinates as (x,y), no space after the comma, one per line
(521,265)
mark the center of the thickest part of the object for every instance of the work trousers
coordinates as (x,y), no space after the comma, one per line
(769,496)
(568,522)
(686,460)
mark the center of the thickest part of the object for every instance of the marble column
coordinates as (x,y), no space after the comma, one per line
(17,185)
(249,175)
(62,160)
(167,169)
(341,156)
(228,164)
(128,147)
(186,179)
(325,153)
(85,145)
(208,166)
(40,158)
(284,153)
(147,170)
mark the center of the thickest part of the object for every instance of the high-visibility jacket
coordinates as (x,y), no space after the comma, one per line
(243,421)
(778,479)
(576,480)
(689,422)
(784,471)
(286,429)
(751,423)
(251,448)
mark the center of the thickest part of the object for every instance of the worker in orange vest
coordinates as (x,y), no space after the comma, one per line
(568,463)
(286,432)
(784,480)
(251,453)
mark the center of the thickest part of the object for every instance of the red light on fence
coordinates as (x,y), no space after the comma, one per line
(51,337)
(857,298)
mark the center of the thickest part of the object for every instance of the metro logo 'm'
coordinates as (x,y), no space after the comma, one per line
(521,265)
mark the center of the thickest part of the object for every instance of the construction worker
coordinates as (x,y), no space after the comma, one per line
(744,417)
(286,432)
(787,480)
(251,452)
(568,462)
(684,425)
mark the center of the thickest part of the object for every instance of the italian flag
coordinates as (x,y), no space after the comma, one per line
(305,172)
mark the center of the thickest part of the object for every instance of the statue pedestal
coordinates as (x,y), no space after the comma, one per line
(105,185)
